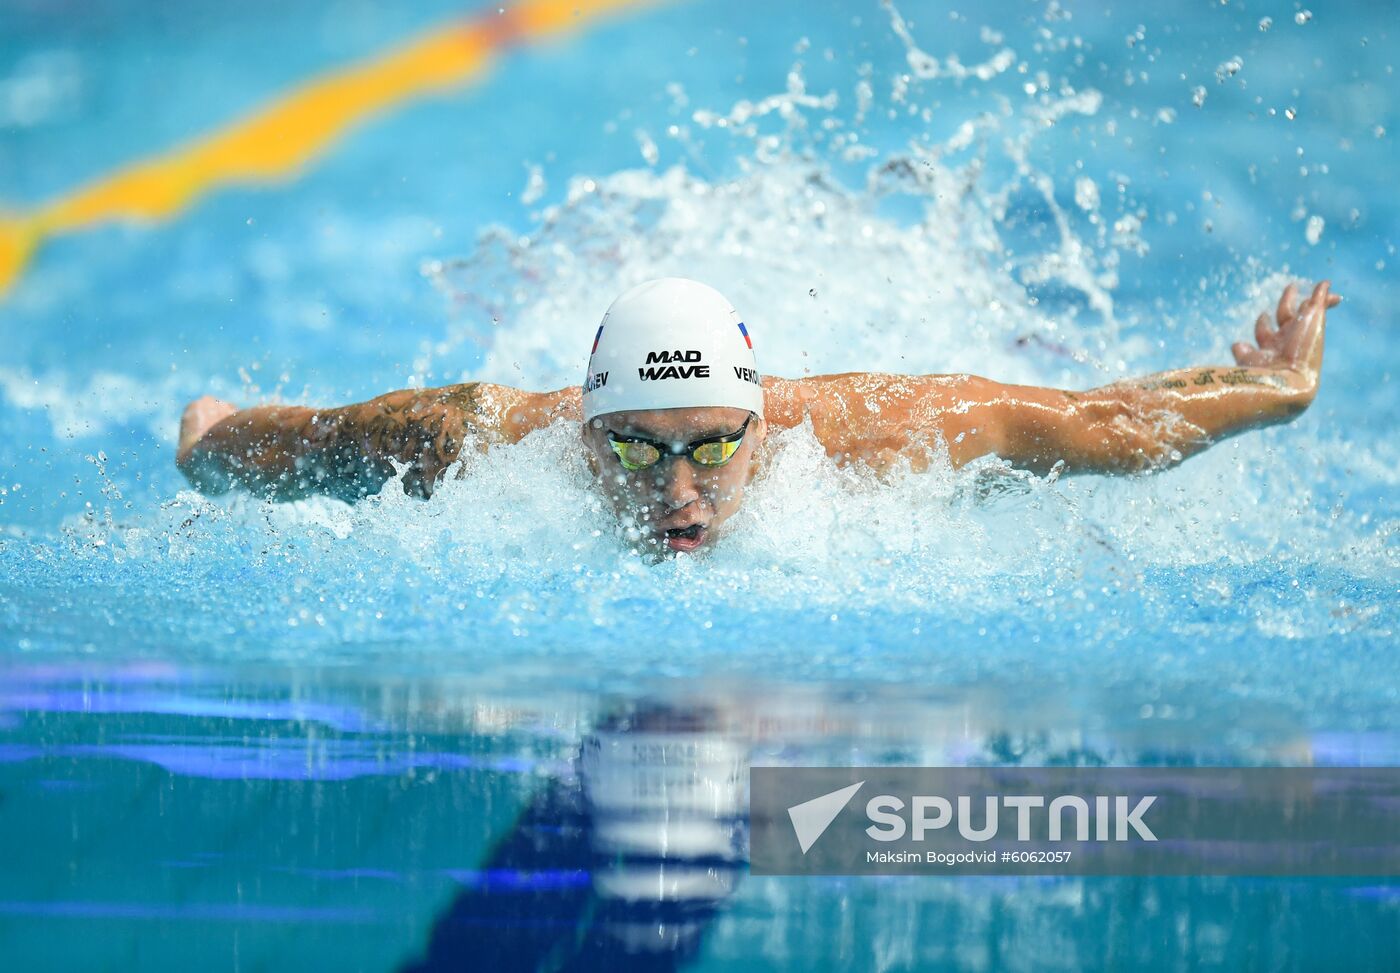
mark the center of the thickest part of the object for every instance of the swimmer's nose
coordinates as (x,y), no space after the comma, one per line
(678,486)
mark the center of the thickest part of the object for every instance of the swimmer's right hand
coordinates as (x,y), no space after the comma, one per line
(200,416)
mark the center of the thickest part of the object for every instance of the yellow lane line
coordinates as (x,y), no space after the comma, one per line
(275,141)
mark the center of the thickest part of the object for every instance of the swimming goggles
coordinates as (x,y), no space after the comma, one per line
(637,453)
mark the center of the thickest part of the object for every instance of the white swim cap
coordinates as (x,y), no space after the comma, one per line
(668,344)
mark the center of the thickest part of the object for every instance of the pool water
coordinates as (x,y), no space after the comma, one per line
(483,732)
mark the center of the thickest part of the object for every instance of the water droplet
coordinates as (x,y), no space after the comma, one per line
(1228,69)
(1265,23)
(812,292)
(1086,194)
(1302,16)
(1198,96)
(1290,113)
(648,148)
(1313,232)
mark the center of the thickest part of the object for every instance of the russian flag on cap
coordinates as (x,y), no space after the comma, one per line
(742,330)
(598,337)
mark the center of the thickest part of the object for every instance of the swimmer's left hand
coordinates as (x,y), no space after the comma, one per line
(1295,345)
(200,416)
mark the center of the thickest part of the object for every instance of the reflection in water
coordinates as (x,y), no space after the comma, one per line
(434,824)
(623,865)
(665,792)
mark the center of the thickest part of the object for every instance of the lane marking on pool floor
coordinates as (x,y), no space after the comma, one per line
(277,140)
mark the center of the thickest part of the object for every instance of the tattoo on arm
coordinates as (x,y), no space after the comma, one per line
(1157,420)
(1212,376)
(1162,383)
(1239,376)
(352,452)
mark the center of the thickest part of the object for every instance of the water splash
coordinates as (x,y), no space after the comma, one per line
(950,255)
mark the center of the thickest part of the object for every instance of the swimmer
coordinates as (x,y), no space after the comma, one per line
(673,416)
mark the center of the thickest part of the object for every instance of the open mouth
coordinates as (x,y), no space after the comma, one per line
(685,538)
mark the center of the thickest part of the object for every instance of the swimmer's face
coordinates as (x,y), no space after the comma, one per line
(677,502)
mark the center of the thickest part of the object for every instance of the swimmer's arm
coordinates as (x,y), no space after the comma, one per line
(1158,420)
(287,452)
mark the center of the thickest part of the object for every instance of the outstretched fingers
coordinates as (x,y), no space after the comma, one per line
(1322,295)
(1316,304)
(1304,341)
(1323,292)
(1287,305)
(1264,332)
(1297,338)
(1247,355)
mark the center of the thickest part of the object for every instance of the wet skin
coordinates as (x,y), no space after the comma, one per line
(872,420)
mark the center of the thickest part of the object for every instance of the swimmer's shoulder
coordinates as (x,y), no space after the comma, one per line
(876,418)
(493,412)
(514,413)
(787,401)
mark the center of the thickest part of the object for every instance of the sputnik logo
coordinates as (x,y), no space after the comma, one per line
(811,818)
